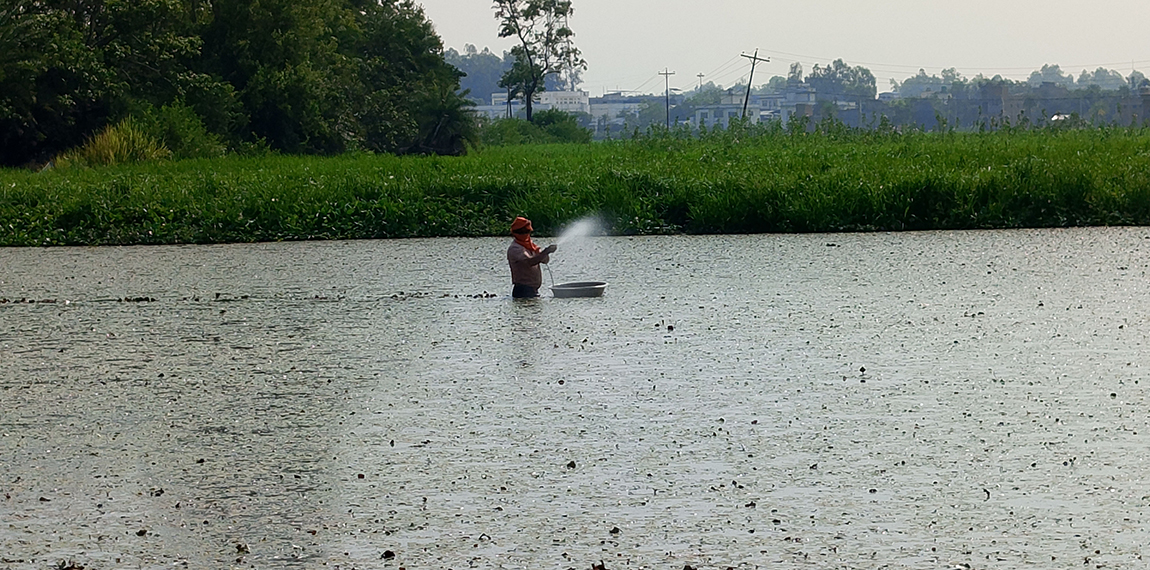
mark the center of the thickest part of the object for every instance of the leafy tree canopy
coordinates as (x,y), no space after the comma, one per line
(482,70)
(299,76)
(1051,74)
(921,83)
(841,80)
(544,44)
(1106,79)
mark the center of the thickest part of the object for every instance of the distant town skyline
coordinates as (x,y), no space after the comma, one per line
(628,42)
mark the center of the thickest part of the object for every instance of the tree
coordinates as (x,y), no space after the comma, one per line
(281,58)
(482,71)
(841,80)
(298,76)
(921,83)
(446,122)
(1051,74)
(322,76)
(404,97)
(1137,80)
(69,67)
(1105,79)
(776,84)
(795,75)
(563,126)
(568,80)
(540,27)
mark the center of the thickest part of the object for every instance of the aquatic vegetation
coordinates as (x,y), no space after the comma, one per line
(739,181)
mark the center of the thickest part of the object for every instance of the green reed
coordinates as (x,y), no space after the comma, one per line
(739,181)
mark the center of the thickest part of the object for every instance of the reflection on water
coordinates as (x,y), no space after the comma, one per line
(874,400)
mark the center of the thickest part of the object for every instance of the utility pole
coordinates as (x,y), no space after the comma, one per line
(700,76)
(754,59)
(667,79)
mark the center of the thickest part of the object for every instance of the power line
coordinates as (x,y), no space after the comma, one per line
(724,65)
(645,83)
(737,72)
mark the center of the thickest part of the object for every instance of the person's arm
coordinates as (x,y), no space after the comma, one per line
(545,255)
(521,256)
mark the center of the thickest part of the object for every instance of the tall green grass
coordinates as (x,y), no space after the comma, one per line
(724,182)
(121,143)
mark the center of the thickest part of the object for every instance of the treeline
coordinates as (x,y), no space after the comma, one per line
(483,70)
(930,102)
(294,76)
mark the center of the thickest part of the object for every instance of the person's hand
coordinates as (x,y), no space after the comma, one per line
(550,249)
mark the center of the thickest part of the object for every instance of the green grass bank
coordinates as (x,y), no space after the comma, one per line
(723,182)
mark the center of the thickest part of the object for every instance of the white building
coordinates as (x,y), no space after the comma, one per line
(497,111)
(730,107)
(612,107)
(567,101)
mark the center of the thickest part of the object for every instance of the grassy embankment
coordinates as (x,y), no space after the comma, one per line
(720,184)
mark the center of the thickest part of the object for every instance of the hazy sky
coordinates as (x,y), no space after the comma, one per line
(627,42)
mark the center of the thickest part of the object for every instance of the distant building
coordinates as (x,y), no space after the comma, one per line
(568,101)
(771,106)
(499,107)
(614,111)
(612,107)
(730,107)
(798,100)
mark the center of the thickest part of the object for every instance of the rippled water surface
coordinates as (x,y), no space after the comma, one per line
(918,400)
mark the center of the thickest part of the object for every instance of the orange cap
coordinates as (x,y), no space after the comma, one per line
(521,223)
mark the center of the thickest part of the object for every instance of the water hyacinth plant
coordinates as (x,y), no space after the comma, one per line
(737,181)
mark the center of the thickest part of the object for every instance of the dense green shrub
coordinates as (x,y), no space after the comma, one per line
(548,127)
(562,126)
(743,180)
(122,143)
(180,129)
(296,76)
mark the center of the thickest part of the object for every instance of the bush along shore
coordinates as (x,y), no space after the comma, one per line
(754,180)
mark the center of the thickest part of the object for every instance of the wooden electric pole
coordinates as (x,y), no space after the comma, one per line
(667,78)
(754,59)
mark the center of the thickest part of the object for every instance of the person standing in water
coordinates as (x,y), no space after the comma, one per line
(524,258)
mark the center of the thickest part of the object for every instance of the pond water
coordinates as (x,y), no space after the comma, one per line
(914,400)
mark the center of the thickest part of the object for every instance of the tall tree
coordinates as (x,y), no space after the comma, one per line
(1137,80)
(303,76)
(916,85)
(540,27)
(67,66)
(405,99)
(282,57)
(1105,79)
(841,80)
(482,70)
(1051,74)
